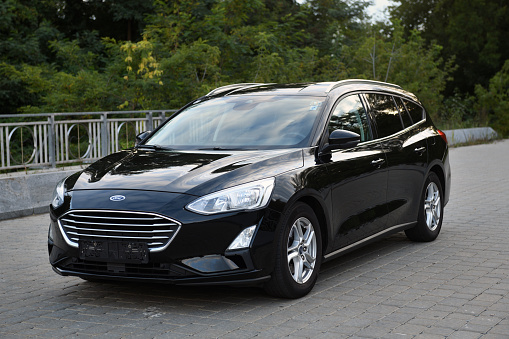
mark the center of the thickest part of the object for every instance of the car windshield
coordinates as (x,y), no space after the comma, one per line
(242,122)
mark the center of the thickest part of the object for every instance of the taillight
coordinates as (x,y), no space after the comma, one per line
(442,134)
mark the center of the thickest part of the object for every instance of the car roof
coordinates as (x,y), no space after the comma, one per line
(310,88)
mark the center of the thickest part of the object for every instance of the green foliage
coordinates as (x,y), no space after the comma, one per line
(71,57)
(13,90)
(473,31)
(67,55)
(192,70)
(493,102)
(458,111)
(65,92)
(386,55)
(18,43)
(143,75)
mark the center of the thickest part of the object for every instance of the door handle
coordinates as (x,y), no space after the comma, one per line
(378,162)
(420,150)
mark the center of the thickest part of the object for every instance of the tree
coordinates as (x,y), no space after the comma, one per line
(474,31)
(385,54)
(24,36)
(81,56)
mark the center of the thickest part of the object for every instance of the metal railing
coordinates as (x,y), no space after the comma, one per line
(49,139)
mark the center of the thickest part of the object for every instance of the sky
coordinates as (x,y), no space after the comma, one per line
(376,10)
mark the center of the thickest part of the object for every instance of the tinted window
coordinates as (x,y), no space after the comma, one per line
(403,112)
(416,111)
(256,121)
(385,113)
(350,115)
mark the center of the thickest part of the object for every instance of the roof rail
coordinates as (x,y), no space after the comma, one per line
(231,87)
(359,81)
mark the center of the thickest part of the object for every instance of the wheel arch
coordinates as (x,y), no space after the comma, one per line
(439,171)
(317,207)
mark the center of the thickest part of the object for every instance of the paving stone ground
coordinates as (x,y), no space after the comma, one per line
(455,287)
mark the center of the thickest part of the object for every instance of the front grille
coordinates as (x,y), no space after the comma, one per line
(155,230)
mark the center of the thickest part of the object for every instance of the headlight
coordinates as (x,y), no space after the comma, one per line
(58,194)
(249,196)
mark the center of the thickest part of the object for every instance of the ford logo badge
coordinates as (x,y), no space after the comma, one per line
(117,198)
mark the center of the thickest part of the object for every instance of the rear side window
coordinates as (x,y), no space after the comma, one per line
(416,111)
(385,113)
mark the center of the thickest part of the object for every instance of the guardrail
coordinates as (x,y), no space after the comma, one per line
(48,139)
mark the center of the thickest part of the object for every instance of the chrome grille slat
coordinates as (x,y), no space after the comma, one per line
(155,230)
(116,218)
(110,224)
(114,236)
(117,231)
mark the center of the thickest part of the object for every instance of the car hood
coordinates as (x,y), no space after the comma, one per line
(190,172)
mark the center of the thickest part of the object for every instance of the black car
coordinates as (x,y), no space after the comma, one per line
(256,184)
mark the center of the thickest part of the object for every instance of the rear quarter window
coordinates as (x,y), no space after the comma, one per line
(416,112)
(405,116)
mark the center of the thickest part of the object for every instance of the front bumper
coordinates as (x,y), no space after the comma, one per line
(196,255)
(171,273)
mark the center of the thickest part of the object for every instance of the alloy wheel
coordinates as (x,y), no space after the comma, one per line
(301,250)
(432,206)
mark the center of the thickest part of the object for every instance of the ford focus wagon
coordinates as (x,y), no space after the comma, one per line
(256,184)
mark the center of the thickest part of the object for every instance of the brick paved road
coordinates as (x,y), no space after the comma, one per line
(455,287)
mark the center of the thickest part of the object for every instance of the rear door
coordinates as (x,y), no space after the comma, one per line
(403,139)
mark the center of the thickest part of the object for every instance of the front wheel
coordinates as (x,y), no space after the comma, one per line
(430,216)
(298,254)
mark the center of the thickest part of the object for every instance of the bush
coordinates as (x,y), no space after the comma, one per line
(493,102)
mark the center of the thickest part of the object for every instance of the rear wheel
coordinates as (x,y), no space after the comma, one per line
(299,254)
(430,217)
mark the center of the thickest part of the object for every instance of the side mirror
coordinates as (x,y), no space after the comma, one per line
(341,139)
(344,138)
(140,137)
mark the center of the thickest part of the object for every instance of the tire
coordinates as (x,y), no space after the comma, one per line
(431,214)
(298,254)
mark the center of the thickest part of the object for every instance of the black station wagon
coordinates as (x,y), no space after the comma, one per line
(256,184)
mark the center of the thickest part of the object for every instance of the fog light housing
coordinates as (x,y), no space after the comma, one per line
(243,240)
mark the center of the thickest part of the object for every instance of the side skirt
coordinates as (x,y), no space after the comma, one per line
(370,239)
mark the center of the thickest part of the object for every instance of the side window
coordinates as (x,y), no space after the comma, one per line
(350,115)
(416,111)
(403,112)
(385,113)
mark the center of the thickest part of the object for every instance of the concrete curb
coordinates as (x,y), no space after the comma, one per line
(465,135)
(24,194)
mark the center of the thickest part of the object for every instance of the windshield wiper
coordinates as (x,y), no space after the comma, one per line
(155,147)
(217,148)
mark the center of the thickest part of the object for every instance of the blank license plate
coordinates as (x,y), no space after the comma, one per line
(114,251)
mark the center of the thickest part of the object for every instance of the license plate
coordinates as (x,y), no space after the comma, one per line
(114,251)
